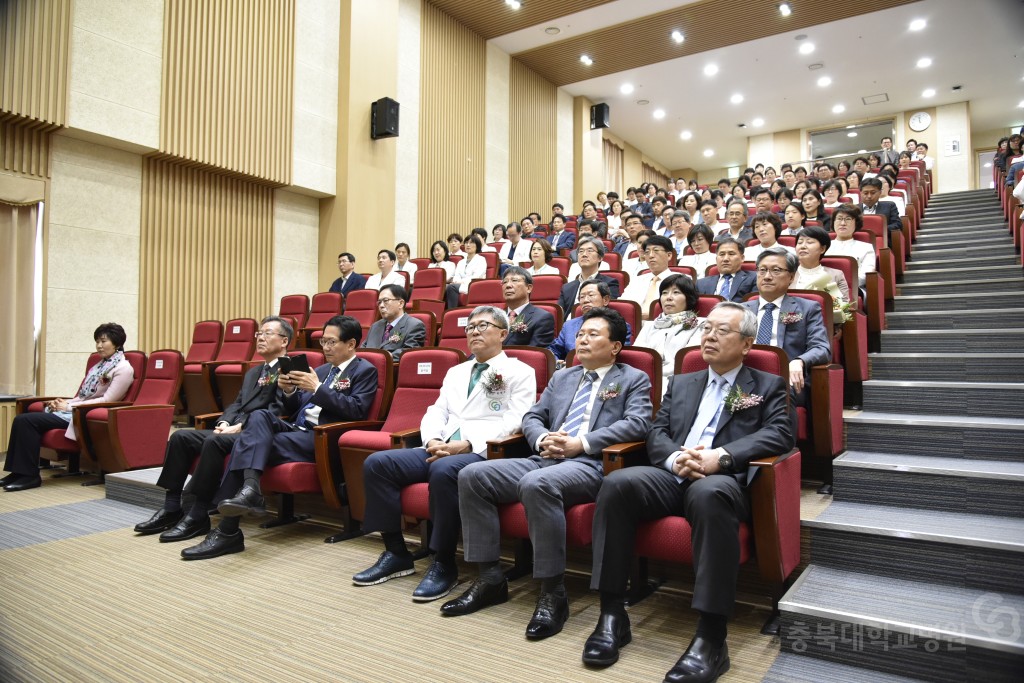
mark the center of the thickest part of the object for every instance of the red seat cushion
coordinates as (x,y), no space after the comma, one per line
(99,414)
(668,539)
(366,440)
(56,440)
(416,500)
(291,477)
(194,367)
(802,432)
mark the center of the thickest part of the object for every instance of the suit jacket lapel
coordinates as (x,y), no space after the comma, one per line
(745,381)
(692,393)
(779,325)
(609,379)
(565,402)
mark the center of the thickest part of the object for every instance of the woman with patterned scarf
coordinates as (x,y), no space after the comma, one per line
(676,327)
(108,380)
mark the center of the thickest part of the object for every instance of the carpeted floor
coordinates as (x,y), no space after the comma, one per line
(83,599)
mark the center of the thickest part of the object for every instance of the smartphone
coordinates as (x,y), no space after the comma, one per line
(293,364)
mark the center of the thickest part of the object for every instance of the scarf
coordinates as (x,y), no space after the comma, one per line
(98,372)
(686,319)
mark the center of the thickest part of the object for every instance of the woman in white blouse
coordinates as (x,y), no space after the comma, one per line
(439,259)
(540,257)
(676,327)
(700,238)
(614,216)
(846,220)
(473,267)
(811,245)
(767,228)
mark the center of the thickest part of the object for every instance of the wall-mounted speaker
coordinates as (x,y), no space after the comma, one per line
(599,116)
(384,118)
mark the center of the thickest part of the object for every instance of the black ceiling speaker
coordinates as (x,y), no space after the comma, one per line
(384,118)
(599,116)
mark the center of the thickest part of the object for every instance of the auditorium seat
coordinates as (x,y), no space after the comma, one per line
(295,306)
(428,294)
(198,381)
(485,293)
(325,306)
(453,329)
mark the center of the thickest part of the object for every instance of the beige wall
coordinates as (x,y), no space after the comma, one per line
(296,229)
(407,145)
(315,116)
(498,168)
(92,260)
(789,146)
(533,118)
(564,153)
(632,164)
(587,155)
(956,171)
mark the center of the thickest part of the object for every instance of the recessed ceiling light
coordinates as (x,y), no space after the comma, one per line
(851,134)
(685,135)
(757,123)
(918,24)
(552,30)
(710,70)
(709,152)
(928,92)
(514,4)
(785,10)
(736,99)
(678,36)
(838,109)
(626,88)
(824,82)
(806,48)
(659,113)
(924,62)
(586,60)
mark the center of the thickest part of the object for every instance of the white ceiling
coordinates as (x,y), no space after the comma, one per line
(976,44)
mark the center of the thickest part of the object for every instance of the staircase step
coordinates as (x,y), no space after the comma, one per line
(952,367)
(962,273)
(948,341)
(982,399)
(960,225)
(909,628)
(960,253)
(925,243)
(984,318)
(996,285)
(959,302)
(951,260)
(978,487)
(789,668)
(942,436)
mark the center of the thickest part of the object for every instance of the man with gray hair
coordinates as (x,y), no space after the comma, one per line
(527,324)
(591,252)
(481,399)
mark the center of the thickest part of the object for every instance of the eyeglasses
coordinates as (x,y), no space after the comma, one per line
(707,330)
(386,301)
(329,343)
(776,271)
(481,327)
(261,334)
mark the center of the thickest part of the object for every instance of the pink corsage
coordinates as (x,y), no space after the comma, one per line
(394,339)
(105,378)
(519,327)
(792,317)
(341,384)
(609,392)
(269,379)
(737,400)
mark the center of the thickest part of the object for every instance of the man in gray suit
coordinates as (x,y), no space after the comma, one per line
(583,410)
(395,331)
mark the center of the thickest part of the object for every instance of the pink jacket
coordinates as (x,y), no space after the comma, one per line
(115,390)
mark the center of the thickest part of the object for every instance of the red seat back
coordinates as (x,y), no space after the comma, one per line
(138,361)
(630,310)
(485,292)
(453,329)
(162,378)
(491,258)
(361,304)
(296,306)
(325,306)
(747,265)
(562,263)
(613,260)
(645,360)
(555,310)
(206,337)
(705,302)
(619,276)
(421,264)
(239,340)
(430,284)
(547,287)
(314,358)
(385,381)
(421,374)
(429,322)
(762,357)
(541,361)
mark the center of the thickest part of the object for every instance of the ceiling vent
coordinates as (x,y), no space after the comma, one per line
(875,99)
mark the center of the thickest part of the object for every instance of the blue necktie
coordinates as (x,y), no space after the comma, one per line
(726,286)
(702,432)
(574,418)
(300,421)
(764,330)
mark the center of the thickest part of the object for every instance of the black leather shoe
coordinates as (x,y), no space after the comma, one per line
(23,483)
(185,529)
(248,501)
(476,597)
(702,662)
(388,566)
(611,633)
(162,520)
(215,544)
(9,478)
(549,617)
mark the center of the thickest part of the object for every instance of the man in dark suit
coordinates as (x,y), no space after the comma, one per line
(528,325)
(591,252)
(342,389)
(699,447)
(791,323)
(349,279)
(736,217)
(870,191)
(259,391)
(732,282)
(395,331)
(560,238)
(888,155)
(583,410)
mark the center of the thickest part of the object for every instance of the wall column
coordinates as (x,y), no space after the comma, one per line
(588,156)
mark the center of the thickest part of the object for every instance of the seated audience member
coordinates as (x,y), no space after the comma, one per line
(800,188)
(736,216)
(341,389)
(643,289)
(699,468)
(591,255)
(439,258)
(853,180)
(815,208)
(888,154)
(614,217)
(537,221)
(583,410)
(515,250)
(349,279)
(700,239)
(108,380)
(691,203)
(845,221)
(832,192)
(874,161)
(593,294)
(212,446)
(499,234)
(586,229)
(528,227)
(558,209)
(636,259)
(680,231)
(657,221)
(403,264)
(676,327)
(455,245)
(387,275)
(904,160)
(783,198)
(481,399)
(541,254)
(767,229)
(633,227)
(560,238)
(395,332)
(709,212)
(732,282)
(482,234)
(887,183)
(763,202)
(793,324)
(870,192)
(795,216)
(472,267)
(527,324)
(921,154)
(811,245)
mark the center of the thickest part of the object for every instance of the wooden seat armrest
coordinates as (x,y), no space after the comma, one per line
(408,438)
(207,420)
(614,457)
(22,404)
(512,446)
(79,414)
(328,459)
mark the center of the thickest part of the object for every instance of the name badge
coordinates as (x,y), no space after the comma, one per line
(424,368)
(159,365)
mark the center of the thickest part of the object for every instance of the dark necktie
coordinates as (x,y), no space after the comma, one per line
(300,420)
(511,251)
(387,333)
(764,330)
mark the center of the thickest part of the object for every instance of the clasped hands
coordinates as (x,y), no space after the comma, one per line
(58,405)
(306,381)
(439,449)
(559,445)
(696,463)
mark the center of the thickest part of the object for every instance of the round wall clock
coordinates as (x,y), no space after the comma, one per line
(920,121)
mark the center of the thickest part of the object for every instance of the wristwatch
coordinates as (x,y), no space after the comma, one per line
(725,462)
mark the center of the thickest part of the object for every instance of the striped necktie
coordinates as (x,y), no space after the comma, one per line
(726,286)
(574,418)
(764,330)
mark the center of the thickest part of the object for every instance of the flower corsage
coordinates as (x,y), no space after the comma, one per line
(341,384)
(494,383)
(396,338)
(792,317)
(270,378)
(737,400)
(519,327)
(609,392)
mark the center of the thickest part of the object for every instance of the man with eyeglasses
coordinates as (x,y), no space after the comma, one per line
(593,294)
(583,410)
(591,255)
(792,323)
(528,325)
(395,332)
(643,288)
(212,446)
(732,282)
(699,449)
(342,389)
(484,398)
(349,279)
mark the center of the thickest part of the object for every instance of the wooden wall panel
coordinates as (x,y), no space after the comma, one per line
(25,149)
(228,85)
(35,39)
(206,251)
(453,72)
(533,120)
